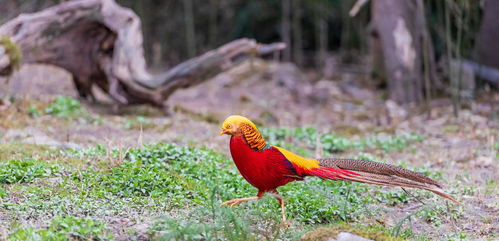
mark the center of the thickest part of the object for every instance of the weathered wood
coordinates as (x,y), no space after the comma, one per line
(489,74)
(99,42)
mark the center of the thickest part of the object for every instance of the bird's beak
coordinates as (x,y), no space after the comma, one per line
(222,132)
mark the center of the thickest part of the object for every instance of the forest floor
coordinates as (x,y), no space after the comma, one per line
(74,168)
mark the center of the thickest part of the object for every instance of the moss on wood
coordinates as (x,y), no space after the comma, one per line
(12,50)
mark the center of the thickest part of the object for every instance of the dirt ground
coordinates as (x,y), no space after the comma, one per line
(276,94)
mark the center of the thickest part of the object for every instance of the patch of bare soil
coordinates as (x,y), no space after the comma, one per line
(275,94)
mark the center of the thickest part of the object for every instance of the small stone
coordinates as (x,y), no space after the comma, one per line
(344,236)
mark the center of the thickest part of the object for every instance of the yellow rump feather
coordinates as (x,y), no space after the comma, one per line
(303,162)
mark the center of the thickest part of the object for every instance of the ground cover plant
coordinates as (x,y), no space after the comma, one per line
(143,176)
(161,178)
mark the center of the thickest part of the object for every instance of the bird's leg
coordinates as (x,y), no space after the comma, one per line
(237,201)
(283,210)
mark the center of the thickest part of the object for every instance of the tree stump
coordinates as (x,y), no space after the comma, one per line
(100,42)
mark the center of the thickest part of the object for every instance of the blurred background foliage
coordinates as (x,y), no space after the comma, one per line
(177,30)
(324,37)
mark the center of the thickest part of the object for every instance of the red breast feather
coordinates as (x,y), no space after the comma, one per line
(266,169)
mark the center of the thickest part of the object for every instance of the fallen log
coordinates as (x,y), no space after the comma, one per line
(100,43)
(487,73)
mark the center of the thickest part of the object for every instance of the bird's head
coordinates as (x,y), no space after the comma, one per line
(233,125)
(240,126)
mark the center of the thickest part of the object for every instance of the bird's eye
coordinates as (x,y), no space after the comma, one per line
(229,126)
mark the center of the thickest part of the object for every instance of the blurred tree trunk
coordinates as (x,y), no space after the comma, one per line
(487,45)
(146,13)
(7,8)
(401,29)
(376,58)
(346,28)
(190,33)
(100,43)
(321,33)
(286,29)
(297,33)
(213,23)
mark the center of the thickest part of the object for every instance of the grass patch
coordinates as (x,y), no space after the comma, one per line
(188,176)
(309,137)
(165,177)
(15,150)
(222,224)
(65,107)
(17,114)
(173,177)
(137,123)
(3,192)
(65,228)
(496,147)
(62,107)
(22,171)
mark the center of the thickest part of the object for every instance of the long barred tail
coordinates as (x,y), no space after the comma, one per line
(376,173)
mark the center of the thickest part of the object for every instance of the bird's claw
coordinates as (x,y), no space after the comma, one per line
(234,202)
(231,203)
(285,224)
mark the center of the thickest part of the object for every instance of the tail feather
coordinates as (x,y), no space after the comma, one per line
(376,168)
(377,173)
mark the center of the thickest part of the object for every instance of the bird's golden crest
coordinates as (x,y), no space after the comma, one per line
(239,124)
(238,120)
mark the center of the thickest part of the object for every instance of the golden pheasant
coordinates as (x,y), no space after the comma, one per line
(267,167)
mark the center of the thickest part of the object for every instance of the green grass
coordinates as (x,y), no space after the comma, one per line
(63,107)
(64,228)
(69,109)
(166,178)
(17,150)
(33,111)
(137,123)
(308,136)
(218,224)
(167,171)
(496,147)
(20,171)
(3,193)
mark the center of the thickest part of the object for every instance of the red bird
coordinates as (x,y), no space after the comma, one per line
(268,167)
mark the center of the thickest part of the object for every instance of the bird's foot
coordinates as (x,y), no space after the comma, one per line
(285,224)
(234,202)
(231,203)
